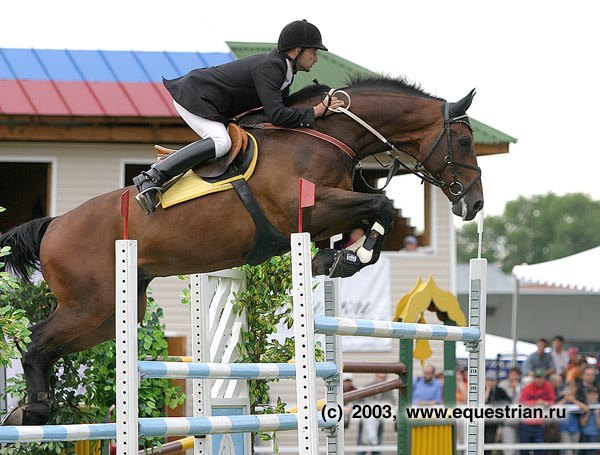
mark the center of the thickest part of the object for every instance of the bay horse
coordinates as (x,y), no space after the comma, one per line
(75,251)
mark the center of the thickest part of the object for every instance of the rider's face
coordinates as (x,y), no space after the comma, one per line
(307,59)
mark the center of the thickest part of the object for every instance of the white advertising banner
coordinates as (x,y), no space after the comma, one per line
(365,295)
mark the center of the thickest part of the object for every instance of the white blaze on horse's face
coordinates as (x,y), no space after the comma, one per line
(464,209)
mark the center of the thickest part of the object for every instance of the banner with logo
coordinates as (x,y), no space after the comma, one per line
(365,295)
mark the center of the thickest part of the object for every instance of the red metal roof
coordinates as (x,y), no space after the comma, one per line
(94,83)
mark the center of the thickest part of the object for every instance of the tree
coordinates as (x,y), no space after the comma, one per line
(535,229)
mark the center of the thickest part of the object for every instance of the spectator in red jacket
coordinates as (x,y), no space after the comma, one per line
(538,393)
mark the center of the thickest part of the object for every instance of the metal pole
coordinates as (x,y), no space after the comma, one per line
(513,319)
(375,367)
(333,353)
(374,389)
(476,379)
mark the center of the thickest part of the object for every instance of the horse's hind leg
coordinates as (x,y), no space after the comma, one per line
(69,329)
(37,363)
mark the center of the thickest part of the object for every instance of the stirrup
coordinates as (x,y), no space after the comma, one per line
(146,200)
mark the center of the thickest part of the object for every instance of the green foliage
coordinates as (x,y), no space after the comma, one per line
(14,334)
(84,383)
(535,229)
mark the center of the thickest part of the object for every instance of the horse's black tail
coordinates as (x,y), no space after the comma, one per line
(24,242)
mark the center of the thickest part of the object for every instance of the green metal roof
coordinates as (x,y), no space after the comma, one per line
(335,71)
(331,69)
(485,134)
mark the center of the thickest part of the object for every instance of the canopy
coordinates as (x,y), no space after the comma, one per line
(579,271)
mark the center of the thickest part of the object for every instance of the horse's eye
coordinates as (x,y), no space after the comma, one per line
(465,142)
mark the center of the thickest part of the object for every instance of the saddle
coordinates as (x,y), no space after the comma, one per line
(217,167)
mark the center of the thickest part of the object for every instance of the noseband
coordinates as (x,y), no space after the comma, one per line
(455,188)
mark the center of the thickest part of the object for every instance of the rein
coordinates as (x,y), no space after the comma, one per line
(456,188)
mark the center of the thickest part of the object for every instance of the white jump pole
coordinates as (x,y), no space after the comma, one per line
(126,345)
(308,436)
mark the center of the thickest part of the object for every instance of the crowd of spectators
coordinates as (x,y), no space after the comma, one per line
(548,378)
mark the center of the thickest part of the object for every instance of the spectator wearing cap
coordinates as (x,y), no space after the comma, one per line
(537,393)
(539,360)
(494,396)
(410,243)
(560,357)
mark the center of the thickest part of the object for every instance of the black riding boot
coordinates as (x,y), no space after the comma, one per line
(149,183)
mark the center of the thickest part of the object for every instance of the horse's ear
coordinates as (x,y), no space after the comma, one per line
(460,108)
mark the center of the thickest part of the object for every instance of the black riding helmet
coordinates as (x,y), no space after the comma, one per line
(300,34)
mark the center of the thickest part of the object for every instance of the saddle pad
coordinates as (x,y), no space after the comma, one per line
(190,186)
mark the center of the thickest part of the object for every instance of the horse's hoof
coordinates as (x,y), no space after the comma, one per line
(14,417)
(323,261)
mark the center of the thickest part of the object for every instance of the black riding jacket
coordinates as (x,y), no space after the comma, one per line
(222,92)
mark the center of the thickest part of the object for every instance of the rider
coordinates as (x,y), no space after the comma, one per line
(208,98)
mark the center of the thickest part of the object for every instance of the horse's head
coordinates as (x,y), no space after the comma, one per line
(402,117)
(448,155)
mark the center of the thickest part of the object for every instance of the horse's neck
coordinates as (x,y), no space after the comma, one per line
(402,124)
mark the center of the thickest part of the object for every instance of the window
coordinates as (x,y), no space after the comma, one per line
(133,170)
(24,192)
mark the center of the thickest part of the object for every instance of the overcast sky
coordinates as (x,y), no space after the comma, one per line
(534,63)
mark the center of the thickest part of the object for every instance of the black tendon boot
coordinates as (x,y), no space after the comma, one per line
(149,183)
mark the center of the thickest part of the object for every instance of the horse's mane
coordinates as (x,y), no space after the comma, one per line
(307,93)
(378,82)
(381,82)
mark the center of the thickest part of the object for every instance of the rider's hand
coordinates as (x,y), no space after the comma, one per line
(322,106)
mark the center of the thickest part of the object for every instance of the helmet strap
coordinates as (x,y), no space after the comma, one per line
(294,60)
(302,49)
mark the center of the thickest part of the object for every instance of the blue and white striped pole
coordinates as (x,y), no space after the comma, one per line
(181,370)
(388,329)
(154,427)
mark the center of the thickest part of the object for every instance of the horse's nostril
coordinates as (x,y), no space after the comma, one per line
(478,206)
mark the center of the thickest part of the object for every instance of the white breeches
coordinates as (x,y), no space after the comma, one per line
(207,129)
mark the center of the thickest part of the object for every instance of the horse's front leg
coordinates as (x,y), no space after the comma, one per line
(338,211)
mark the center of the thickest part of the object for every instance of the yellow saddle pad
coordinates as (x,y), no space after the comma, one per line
(190,186)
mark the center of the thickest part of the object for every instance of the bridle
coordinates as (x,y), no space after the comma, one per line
(455,188)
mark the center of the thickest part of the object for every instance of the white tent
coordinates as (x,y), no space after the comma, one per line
(495,345)
(578,271)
